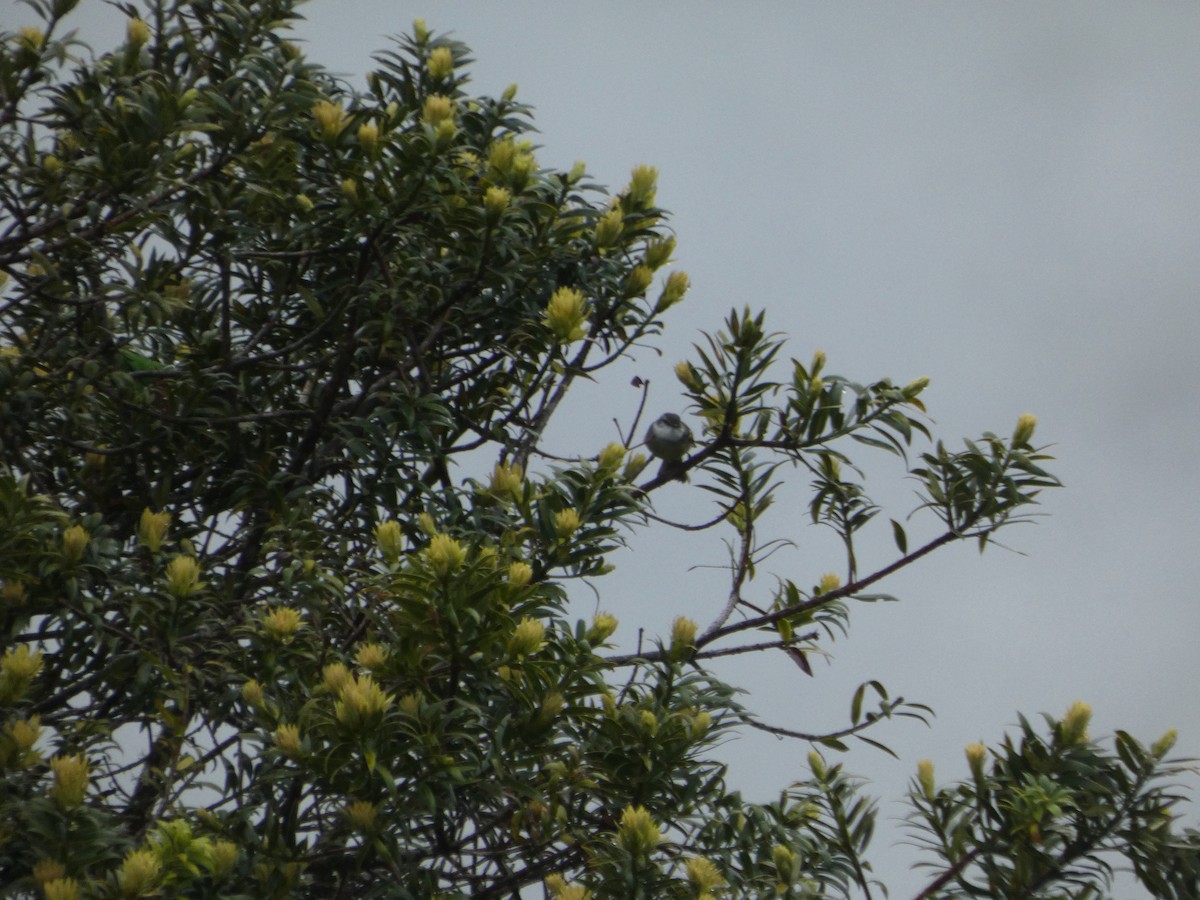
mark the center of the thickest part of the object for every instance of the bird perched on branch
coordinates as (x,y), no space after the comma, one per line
(669,439)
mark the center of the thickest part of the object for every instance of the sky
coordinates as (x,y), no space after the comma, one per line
(1002,197)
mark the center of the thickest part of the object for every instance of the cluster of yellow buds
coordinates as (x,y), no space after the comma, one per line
(507,481)
(440,64)
(17,670)
(70,780)
(362,816)
(567,522)
(21,736)
(445,555)
(390,539)
(638,833)
(282,623)
(527,638)
(152,530)
(361,701)
(331,119)
(519,574)
(673,291)
(1075,723)
(74,541)
(567,314)
(183,576)
(703,876)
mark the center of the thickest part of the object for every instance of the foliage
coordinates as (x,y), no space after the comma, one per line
(285,569)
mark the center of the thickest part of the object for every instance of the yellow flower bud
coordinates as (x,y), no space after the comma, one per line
(13,593)
(362,700)
(420,32)
(687,375)
(32,37)
(61,889)
(611,457)
(137,32)
(152,530)
(45,870)
(252,693)
(658,252)
(362,816)
(976,757)
(609,227)
(303,201)
(701,722)
(444,554)
(70,780)
(437,109)
(335,677)
(1075,722)
(223,857)
(501,155)
(426,524)
(17,669)
(371,656)
(830,581)
(578,170)
(331,119)
(638,279)
(495,201)
(683,632)
(642,185)
(784,859)
(649,721)
(350,188)
(566,522)
(676,286)
(440,63)
(287,739)
(519,574)
(139,873)
(24,733)
(603,627)
(19,664)
(703,875)
(410,704)
(1163,745)
(1026,423)
(510,92)
(638,832)
(368,135)
(390,539)
(506,481)
(282,623)
(183,576)
(444,132)
(567,315)
(51,164)
(527,638)
(634,465)
(74,542)
(925,778)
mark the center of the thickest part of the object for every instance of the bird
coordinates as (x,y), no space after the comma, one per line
(669,439)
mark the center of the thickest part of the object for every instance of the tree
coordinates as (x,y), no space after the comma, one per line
(285,566)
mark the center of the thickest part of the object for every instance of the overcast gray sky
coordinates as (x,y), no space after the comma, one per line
(1004,197)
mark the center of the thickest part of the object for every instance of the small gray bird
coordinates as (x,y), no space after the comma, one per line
(670,440)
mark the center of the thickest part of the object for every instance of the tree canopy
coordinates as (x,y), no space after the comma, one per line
(285,564)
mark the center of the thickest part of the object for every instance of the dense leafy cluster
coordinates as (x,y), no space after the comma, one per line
(284,568)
